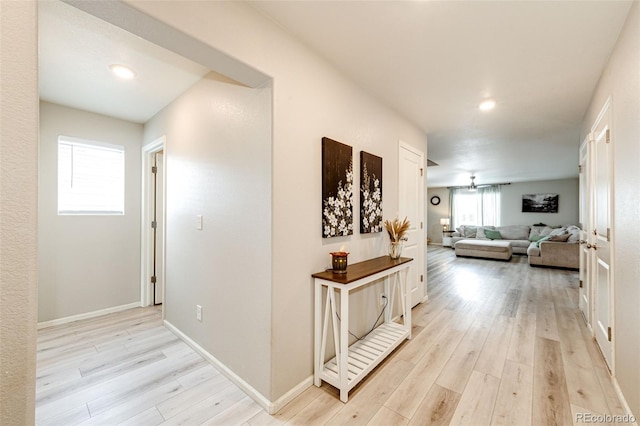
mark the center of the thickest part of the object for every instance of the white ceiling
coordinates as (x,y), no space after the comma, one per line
(75,51)
(432,61)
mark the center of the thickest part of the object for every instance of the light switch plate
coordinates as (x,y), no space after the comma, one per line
(199,222)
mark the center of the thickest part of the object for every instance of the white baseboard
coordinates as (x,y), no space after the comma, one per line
(87,315)
(289,396)
(623,400)
(269,407)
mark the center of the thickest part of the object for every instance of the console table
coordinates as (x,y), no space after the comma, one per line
(352,363)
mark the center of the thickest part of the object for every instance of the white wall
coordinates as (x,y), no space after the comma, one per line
(218,152)
(87,263)
(511,202)
(310,100)
(621,81)
(18,210)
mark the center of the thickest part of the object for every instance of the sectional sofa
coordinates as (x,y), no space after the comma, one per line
(555,246)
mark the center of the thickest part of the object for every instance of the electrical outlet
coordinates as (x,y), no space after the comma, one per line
(199,313)
(381,299)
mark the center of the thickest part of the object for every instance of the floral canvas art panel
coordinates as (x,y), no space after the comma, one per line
(337,189)
(370,193)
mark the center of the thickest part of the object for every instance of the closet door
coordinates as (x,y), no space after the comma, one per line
(602,234)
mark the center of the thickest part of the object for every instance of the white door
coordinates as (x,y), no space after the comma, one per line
(586,226)
(411,205)
(158,231)
(600,239)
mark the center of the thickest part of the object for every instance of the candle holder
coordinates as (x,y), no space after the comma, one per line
(339,262)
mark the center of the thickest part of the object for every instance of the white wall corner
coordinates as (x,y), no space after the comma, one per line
(233,377)
(265,403)
(279,403)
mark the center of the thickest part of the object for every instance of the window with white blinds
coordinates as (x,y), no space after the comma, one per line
(90,177)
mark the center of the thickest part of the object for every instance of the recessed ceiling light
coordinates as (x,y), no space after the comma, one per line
(122,71)
(487,105)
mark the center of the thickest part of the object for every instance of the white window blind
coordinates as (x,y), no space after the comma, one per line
(90,177)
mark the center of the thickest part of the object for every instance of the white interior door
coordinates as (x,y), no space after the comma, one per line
(586,226)
(411,205)
(600,241)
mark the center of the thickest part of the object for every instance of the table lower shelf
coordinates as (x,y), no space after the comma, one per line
(366,354)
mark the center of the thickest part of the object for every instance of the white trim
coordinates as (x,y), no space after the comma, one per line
(145,215)
(87,315)
(268,406)
(279,403)
(90,143)
(237,380)
(605,109)
(623,400)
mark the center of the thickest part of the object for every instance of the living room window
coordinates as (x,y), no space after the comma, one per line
(90,177)
(480,207)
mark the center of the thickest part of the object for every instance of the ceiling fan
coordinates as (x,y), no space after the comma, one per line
(473,187)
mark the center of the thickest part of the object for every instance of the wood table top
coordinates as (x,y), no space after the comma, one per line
(361,270)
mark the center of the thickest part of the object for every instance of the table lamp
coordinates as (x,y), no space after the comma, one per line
(445,223)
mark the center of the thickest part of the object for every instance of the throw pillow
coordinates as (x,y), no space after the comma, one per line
(535,231)
(480,234)
(492,234)
(560,238)
(534,238)
(470,231)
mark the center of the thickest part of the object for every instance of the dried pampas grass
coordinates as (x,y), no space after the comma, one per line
(397,230)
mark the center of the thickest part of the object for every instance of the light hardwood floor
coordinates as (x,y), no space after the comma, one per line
(497,343)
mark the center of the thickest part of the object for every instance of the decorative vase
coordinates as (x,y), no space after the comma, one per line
(395,249)
(339,262)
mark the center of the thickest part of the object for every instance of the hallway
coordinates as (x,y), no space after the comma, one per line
(497,343)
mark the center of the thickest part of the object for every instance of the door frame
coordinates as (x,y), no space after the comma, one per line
(146,242)
(423,219)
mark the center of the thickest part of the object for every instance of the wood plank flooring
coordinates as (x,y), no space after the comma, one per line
(498,343)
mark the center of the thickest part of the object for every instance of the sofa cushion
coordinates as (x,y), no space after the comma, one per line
(481,234)
(536,237)
(492,234)
(535,232)
(574,234)
(546,231)
(468,231)
(514,232)
(519,243)
(533,250)
(558,231)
